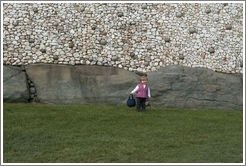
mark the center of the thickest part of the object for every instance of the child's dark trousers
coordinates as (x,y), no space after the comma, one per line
(141,104)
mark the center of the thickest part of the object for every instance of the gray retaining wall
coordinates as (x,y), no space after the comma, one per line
(134,36)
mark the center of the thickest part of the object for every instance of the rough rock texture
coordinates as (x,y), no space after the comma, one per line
(133,36)
(185,87)
(171,86)
(81,84)
(14,85)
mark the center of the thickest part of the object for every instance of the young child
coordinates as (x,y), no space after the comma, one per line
(142,91)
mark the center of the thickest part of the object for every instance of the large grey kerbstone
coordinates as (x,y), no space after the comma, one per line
(81,84)
(15,87)
(201,88)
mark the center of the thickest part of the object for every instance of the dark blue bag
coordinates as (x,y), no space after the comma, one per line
(131,101)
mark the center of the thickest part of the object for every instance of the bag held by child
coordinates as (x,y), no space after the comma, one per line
(131,101)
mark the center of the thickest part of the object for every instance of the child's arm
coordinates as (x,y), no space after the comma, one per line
(134,90)
(149,93)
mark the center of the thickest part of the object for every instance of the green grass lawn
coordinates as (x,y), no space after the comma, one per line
(39,133)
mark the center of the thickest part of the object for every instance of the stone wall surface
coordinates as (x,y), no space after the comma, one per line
(15,87)
(81,84)
(186,87)
(171,86)
(133,36)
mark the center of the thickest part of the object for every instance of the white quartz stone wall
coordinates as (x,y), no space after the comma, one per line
(133,36)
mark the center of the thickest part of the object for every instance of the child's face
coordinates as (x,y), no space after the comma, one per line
(144,81)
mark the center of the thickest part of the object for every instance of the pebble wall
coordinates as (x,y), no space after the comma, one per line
(133,36)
